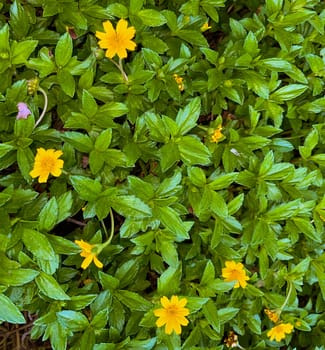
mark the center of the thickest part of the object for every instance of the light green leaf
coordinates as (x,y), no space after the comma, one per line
(63,50)
(9,311)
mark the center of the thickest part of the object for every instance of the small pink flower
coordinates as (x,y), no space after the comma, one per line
(23,111)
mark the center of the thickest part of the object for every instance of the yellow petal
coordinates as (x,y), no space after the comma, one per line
(97,262)
(108,27)
(87,261)
(164,301)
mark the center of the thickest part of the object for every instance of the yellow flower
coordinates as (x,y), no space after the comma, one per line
(46,163)
(88,254)
(205,27)
(273,315)
(278,332)
(179,82)
(235,272)
(217,134)
(116,41)
(172,314)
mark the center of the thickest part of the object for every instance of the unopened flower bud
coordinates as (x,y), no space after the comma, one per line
(32,86)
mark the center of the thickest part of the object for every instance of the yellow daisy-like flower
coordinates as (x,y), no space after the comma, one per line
(179,82)
(279,332)
(172,314)
(47,162)
(217,134)
(235,272)
(116,41)
(205,27)
(273,315)
(88,254)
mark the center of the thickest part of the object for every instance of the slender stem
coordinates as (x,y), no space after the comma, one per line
(109,240)
(120,62)
(120,68)
(112,226)
(287,298)
(44,109)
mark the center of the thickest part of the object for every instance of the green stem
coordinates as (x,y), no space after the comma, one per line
(109,240)
(44,109)
(287,298)
(119,66)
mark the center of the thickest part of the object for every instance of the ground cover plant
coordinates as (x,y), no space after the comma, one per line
(162,173)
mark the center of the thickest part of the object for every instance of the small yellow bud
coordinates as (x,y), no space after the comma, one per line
(32,86)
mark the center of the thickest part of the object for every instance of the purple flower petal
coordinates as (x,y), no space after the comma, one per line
(23,111)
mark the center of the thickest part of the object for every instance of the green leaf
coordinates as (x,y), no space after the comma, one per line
(87,188)
(67,82)
(283,211)
(196,176)
(227,314)
(22,50)
(171,220)
(19,20)
(9,311)
(304,226)
(151,18)
(186,118)
(73,320)
(49,215)
(63,50)
(192,36)
(210,312)
(38,244)
(62,245)
(65,203)
(222,181)
(169,155)
(132,300)
(17,277)
(168,282)
(128,205)
(103,140)
(44,64)
(288,92)
(89,105)
(80,141)
(193,151)
(208,273)
(50,287)
(25,159)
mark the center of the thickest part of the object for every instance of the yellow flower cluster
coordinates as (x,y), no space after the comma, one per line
(217,134)
(179,82)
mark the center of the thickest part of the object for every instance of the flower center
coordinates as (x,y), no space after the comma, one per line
(236,275)
(172,310)
(48,164)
